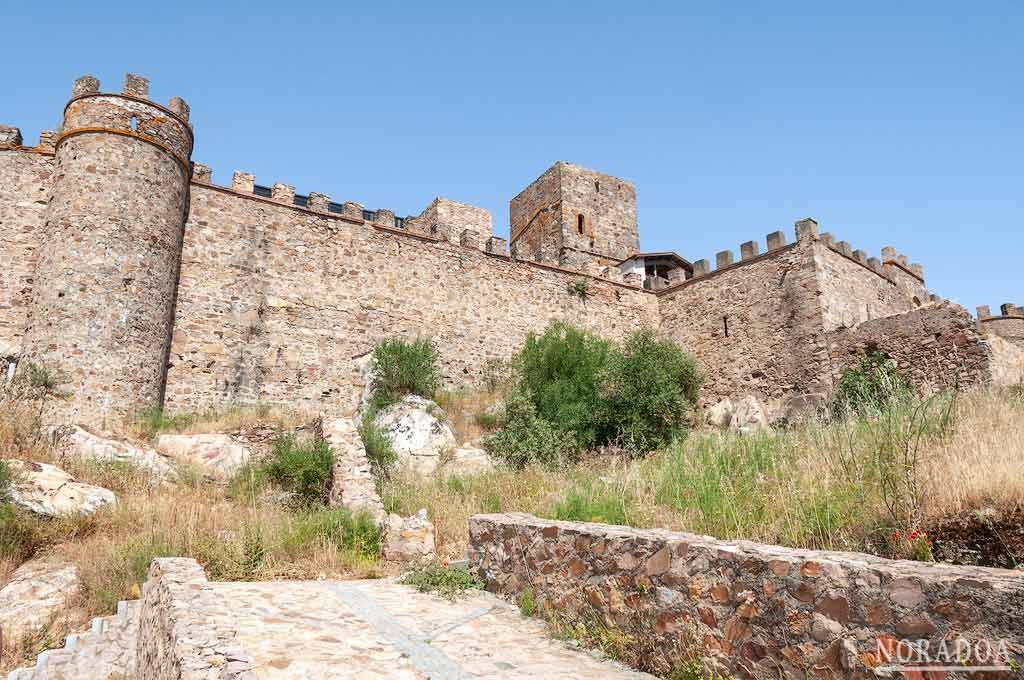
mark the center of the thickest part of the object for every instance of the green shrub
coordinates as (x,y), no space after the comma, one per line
(487,421)
(6,481)
(378,447)
(437,578)
(870,386)
(302,466)
(649,388)
(401,367)
(354,533)
(561,371)
(527,438)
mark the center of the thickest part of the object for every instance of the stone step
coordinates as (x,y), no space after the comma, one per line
(106,649)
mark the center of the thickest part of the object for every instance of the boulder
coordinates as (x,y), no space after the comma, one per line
(467,460)
(48,490)
(749,416)
(720,415)
(352,482)
(82,443)
(217,455)
(35,595)
(364,364)
(408,540)
(419,432)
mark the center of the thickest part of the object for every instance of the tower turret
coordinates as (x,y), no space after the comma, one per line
(103,298)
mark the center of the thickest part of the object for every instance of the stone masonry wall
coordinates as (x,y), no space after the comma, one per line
(937,345)
(447,219)
(608,207)
(24,193)
(857,289)
(1010,328)
(754,611)
(103,299)
(185,627)
(275,302)
(754,326)
(535,215)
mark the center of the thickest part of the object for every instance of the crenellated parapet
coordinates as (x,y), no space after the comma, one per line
(1008,323)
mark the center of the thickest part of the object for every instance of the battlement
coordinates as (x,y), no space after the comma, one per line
(887,265)
(1007,310)
(804,230)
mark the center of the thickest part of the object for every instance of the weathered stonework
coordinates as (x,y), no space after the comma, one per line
(158,287)
(755,611)
(1007,324)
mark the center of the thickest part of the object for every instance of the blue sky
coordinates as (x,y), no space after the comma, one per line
(890,123)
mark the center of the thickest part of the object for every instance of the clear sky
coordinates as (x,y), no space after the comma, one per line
(895,123)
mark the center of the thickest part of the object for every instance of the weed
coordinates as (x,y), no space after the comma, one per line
(439,578)
(403,367)
(378,447)
(302,466)
(527,605)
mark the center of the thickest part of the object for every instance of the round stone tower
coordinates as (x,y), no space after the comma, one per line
(103,297)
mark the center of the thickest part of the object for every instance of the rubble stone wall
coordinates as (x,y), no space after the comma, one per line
(275,302)
(1010,328)
(853,292)
(24,193)
(937,345)
(756,611)
(185,630)
(754,326)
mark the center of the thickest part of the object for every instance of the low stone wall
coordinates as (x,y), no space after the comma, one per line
(186,630)
(757,611)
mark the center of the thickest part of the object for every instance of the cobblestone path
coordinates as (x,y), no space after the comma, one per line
(364,630)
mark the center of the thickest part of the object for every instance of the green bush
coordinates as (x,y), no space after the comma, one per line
(649,388)
(402,367)
(561,371)
(302,466)
(437,578)
(871,386)
(527,438)
(378,447)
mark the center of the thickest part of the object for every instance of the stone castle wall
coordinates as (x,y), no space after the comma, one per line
(754,325)
(535,215)
(103,295)
(856,288)
(275,302)
(754,611)
(937,345)
(1009,324)
(25,181)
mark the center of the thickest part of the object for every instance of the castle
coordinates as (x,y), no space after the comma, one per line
(145,283)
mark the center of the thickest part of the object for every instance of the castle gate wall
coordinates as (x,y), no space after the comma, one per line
(1010,328)
(754,326)
(275,302)
(937,345)
(854,292)
(24,194)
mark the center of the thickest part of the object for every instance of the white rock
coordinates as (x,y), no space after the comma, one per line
(35,595)
(364,364)
(218,455)
(720,415)
(82,443)
(408,540)
(48,490)
(467,460)
(749,416)
(419,432)
(353,485)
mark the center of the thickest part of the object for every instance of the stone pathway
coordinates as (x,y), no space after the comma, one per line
(364,630)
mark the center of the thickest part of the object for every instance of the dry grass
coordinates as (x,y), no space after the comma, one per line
(223,418)
(818,485)
(466,409)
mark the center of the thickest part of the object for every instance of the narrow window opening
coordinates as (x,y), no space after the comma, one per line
(579,223)
(725,324)
(597,186)
(134,123)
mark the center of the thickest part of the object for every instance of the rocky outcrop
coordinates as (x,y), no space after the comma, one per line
(408,540)
(47,490)
(720,414)
(83,443)
(217,455)
(37,593)
(419,432)
(352,482)
(467,460)
(745,416)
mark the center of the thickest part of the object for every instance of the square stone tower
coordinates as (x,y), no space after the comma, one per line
(573,217)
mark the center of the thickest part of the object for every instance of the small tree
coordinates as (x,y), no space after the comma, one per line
(527,438)
(648,389)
